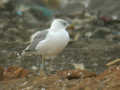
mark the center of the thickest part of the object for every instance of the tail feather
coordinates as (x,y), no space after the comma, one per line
(28,49)
(25,50)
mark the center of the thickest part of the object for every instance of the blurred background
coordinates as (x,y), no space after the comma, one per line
(95,39)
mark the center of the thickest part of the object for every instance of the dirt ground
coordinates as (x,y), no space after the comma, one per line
(17,78)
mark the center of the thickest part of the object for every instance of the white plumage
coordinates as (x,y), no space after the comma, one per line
(50,42)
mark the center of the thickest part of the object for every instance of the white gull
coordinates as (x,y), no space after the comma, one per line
(50,42)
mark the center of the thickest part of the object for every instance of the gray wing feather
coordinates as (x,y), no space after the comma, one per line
(38,36)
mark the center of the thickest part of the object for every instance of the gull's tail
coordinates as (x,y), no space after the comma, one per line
(27,49)
(30,49)
(21,55)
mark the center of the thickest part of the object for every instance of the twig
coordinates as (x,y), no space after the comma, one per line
(113,62)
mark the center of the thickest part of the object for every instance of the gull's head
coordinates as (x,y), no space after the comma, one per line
(59,24)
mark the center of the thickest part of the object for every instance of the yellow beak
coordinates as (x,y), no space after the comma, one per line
(70,27)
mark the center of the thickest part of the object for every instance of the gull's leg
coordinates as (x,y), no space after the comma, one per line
(38,62)
(42,66)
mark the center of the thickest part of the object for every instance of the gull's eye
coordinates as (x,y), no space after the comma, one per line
(64,23)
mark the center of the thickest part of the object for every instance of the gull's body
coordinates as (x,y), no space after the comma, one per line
(50,42)
(53,44)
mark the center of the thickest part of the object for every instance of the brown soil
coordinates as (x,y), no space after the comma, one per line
(16,78)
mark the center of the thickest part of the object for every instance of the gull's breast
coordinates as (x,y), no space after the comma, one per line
(54,43)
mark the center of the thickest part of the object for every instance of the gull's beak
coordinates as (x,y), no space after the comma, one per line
(70,27)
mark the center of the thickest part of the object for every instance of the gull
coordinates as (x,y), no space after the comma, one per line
(50,42)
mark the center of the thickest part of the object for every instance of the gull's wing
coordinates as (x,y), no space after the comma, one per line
(35,39)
